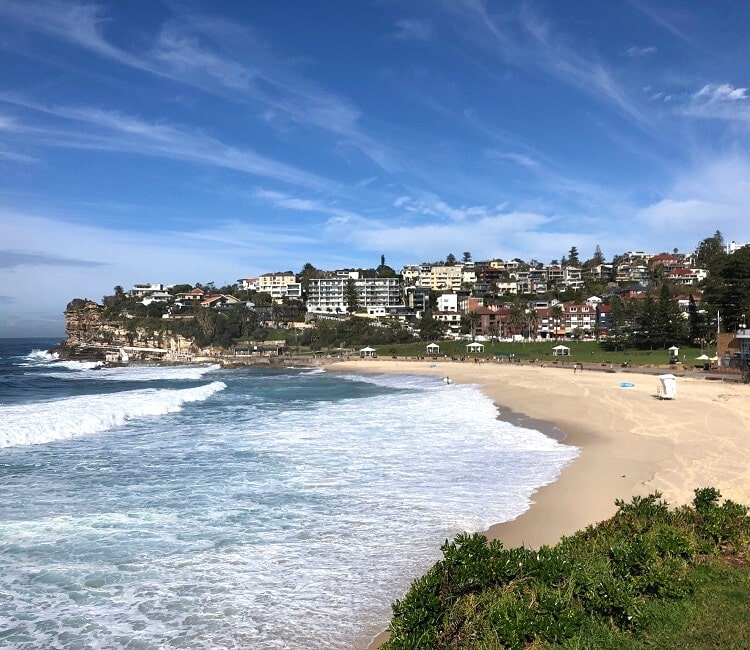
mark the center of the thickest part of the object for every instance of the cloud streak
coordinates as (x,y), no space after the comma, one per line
(116,131)
(16,259)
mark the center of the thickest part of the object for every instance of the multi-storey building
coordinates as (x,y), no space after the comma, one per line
(579,316)
(442,278)
(279,285)
(328,295)
(418,298)
(572,277)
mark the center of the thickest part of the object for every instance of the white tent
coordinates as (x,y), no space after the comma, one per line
(475,347)
(561,351)
(703,357)
(367,352)
(668,388)
(433,348)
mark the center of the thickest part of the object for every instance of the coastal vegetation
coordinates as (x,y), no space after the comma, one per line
(650,576)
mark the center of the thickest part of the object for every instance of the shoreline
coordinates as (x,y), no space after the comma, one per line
(631,443)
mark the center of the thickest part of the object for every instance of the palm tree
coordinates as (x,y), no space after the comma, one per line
(517,317)
(557,312)
(472,319)
(532,320)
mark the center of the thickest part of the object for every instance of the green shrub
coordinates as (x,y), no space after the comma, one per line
(481,595)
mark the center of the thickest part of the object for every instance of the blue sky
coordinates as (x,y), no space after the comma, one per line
(160,141)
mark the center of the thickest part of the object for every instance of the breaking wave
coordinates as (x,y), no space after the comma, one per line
(42,422)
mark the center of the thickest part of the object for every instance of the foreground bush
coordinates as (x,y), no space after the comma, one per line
(481,595)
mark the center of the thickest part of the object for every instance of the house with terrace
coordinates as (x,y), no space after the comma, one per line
(219,302)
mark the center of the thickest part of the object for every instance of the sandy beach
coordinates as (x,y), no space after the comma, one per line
(631,442)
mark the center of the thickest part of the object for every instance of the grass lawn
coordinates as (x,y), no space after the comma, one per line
(580,351)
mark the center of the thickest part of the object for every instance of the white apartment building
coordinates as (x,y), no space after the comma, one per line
(328,295)
(447,302)
(687,277)
(248,284)
(572,277)
(442,278)
(733,247)
(145,289)
(279,285)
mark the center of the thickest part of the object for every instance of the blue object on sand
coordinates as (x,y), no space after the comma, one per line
(626,384)
(433,365)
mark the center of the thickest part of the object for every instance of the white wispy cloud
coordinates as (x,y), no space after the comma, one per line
(669,19)
(719,101)
(414,29)
(712,195)
(715,93)
(537,46)
(636,51)
(16,157)
(188,51)
(116,131)
(435,207)
(14,259)
(524,160)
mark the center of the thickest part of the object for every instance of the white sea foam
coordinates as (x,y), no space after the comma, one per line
(280,525)
(41,422)
(133,373)
(47,358)
(39,357)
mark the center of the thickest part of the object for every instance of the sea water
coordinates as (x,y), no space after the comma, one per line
(195,507)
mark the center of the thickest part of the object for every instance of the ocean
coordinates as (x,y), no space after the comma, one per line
(195,507)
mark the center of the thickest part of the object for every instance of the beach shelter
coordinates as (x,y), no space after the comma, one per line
(367,352)
(703,357)
(474,347)
(668,387)
(433,348)
(561,351)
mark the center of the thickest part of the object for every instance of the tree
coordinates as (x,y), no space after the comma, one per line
(451,259)
(727,288)
(430,329)
(532,322)
(385,271)
(697,323)
(351,296)
(573,256)
(598,256)
(711,253)
(467,257)
(308,271)
(517,317)
(557,313)
(471,321)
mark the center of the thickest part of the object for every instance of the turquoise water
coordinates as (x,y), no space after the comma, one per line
(193,507)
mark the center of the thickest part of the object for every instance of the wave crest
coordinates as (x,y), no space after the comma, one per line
(42,422)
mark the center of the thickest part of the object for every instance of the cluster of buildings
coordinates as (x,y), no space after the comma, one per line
(480,293)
